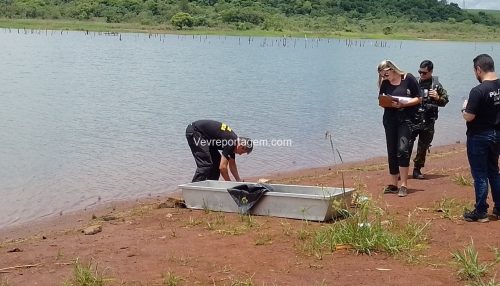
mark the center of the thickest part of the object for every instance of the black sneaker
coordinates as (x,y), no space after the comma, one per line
(417,174)
(496,212)
(391,189)
(476,216)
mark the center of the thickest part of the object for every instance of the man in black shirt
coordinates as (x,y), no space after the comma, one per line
(206,138)
(482,113)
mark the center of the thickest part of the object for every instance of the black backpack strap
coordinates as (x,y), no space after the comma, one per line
(435,81)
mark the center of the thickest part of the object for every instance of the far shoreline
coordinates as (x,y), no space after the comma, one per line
(103,27)
(77,218)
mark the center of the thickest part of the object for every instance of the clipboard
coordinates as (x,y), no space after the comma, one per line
(386,100)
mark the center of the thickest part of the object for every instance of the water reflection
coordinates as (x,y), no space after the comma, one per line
(90,118)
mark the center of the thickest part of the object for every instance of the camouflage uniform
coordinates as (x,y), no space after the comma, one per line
(430,114)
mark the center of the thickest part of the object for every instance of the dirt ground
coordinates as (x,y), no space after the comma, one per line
(142,244)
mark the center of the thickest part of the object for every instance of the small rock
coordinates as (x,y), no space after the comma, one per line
(363,199)
(385,222)
(15,250)
(108,217)
(172,203)
(92,229)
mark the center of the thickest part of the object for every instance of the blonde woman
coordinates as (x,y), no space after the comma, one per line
(400,121)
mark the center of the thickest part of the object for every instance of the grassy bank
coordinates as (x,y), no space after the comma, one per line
(399,30)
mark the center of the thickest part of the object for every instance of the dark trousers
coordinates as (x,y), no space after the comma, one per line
(425,136)
(207,158)
(399,139)
(483,150)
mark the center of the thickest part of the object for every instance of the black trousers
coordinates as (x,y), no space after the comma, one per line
(399,138)
(425,136)
(207,158)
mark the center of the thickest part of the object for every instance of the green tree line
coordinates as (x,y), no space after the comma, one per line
(343,15)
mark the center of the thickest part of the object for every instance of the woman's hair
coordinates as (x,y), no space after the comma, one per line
(387,65)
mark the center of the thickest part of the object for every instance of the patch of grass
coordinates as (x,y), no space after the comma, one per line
(480,282)
(248,220)
(463,180)
(171,279)
(469,267)
(232,230)
(242,281)
(4,282)
(303,234)
(247,223)
(367,232)
(194,221)
(451,209)
(497,254)
(86,275)
(225,269)
(263,239)
(183,260)
(141,211)
(374,167)
(322,283)
(216,220)
(287,228)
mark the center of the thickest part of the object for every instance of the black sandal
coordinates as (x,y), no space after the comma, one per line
(391,189)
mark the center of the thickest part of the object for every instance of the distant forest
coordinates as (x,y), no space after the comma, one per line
(275,15)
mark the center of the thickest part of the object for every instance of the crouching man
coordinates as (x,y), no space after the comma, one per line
(206,138)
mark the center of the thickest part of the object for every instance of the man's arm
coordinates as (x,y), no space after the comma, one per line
(467,116)
(234,170)
(443,96)
(223,168)
(411,102)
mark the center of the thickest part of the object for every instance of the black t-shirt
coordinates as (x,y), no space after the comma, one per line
(218,135)
(484,102)
(407,88)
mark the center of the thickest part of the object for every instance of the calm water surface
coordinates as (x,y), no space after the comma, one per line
(88,119)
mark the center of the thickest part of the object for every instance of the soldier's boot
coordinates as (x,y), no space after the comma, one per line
(417,174)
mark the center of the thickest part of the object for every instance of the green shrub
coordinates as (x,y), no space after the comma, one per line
(182,20)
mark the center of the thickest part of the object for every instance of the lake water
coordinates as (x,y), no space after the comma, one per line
(93,118)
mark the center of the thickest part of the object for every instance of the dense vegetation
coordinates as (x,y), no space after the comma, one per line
(352,16)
